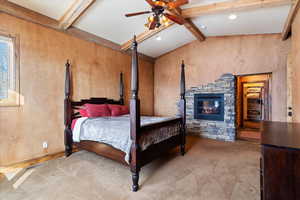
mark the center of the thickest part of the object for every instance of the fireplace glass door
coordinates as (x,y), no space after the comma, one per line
(209,106)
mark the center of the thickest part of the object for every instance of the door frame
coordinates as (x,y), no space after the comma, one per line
(268,89)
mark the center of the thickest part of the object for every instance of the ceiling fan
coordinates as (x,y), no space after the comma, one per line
(159,16)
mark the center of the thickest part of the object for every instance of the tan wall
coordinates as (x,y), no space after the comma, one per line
(207,61)
(43,54)
(296,68)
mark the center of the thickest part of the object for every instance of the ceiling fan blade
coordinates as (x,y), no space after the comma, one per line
(137,13)
(175,19)
(152,25)
(151,3)
(177,3)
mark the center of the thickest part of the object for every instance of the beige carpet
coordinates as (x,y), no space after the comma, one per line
(211,170)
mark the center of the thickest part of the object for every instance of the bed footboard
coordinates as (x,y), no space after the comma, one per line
(157,132)
(159,138)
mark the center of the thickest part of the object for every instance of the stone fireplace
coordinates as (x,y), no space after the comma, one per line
(211,109)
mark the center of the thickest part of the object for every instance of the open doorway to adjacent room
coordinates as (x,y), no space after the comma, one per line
(253,104)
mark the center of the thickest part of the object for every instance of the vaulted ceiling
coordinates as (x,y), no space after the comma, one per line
(105,18)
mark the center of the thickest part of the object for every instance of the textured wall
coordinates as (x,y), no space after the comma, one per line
(43,54)
(206,61)
(296,68)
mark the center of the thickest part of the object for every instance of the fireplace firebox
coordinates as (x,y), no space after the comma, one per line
(209,106)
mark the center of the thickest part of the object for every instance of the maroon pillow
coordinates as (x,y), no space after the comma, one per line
(94,110)
(73,124)
(83,112)
(117,110)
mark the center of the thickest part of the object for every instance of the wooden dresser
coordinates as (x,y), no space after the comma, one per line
(280,162)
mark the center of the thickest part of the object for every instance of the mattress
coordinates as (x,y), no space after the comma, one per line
(115,131)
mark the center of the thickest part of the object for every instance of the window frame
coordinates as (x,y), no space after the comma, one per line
(14,101)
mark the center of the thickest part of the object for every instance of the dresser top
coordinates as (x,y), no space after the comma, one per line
(281,134)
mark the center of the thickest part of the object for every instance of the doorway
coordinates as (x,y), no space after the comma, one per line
(253,104)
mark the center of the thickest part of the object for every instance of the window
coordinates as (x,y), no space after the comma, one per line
(9,71)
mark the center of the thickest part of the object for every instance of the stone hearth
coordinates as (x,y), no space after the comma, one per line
(221,130)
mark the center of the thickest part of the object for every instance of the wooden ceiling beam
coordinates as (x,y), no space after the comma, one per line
(288,24)
(194,30)
(236,5)
(74,12)
(189,24)
(144,36)
(20,12)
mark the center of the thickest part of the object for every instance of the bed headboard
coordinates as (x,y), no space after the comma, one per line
(96,101)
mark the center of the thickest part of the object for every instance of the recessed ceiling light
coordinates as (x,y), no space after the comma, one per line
(232,16)
(203,27)
(158,38)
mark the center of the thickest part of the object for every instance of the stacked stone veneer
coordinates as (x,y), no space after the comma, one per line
(221,130)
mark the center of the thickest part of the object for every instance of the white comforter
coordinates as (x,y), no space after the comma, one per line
(114,131)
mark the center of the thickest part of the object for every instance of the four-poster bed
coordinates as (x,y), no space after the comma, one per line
(139,156)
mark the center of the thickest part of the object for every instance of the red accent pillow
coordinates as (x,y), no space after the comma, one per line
(73,123)
(96,110)
(117,110)
(83,112)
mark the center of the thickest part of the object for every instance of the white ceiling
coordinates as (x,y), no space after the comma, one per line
(174,33)
(105,18)
(258,21)
(51,8)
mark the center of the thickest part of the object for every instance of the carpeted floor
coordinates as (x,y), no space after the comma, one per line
(211,170)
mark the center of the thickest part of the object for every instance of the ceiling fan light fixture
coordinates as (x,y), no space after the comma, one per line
(150,19)
(147,25)
(160,3)
(159,16)
(164,20)
(166,23)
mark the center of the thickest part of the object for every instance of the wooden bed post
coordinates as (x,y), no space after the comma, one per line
(68,112)
(135,121)
(121,89)
(182,108)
